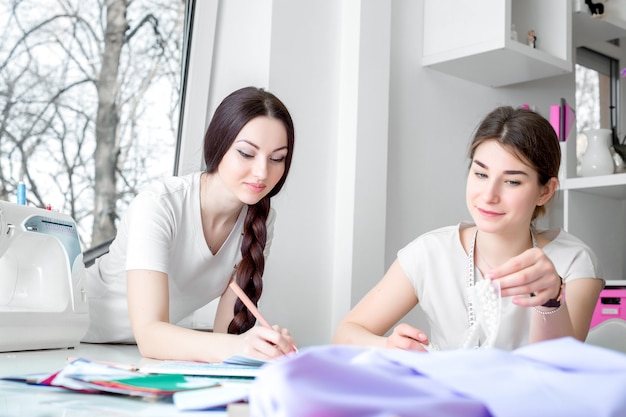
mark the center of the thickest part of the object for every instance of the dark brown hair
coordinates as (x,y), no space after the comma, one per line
(230,117)
(528,135)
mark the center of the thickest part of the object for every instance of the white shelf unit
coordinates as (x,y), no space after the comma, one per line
(472,40)
(587,29)
(594,209)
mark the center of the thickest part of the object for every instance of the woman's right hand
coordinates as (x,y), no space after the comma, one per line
(408,338)
(263,343)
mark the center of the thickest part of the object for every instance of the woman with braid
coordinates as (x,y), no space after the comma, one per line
(184,239)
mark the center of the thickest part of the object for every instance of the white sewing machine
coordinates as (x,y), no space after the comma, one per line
(43,304)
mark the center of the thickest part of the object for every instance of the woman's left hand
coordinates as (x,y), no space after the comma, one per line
(529,277)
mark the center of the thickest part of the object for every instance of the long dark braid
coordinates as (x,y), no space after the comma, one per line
(249,273)
(230,117)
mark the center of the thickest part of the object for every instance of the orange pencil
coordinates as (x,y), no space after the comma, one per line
(248,303)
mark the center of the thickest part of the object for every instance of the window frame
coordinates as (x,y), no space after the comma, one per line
(608,65)
(197,76)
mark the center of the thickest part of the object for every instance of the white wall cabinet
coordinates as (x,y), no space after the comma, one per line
(472,40)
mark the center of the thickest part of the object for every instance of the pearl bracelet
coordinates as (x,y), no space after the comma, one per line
(547,313)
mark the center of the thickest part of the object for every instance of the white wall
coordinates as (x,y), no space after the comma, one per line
(330,64)
(298,280)
(380,142)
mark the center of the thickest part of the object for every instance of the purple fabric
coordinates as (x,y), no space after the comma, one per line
(562,377)
(339,381)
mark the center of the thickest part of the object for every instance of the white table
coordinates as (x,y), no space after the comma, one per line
(21,400)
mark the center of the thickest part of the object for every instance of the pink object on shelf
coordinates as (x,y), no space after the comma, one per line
(611,305)
(555,120)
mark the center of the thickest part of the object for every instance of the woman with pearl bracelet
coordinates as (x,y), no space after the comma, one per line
(497,281)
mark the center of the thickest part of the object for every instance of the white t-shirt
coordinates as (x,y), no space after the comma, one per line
(437,265)
(162,231)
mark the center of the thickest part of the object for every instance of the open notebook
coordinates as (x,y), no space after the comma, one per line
(236,366)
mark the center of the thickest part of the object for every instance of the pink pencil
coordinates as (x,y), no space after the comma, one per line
(248,303)
(255,311)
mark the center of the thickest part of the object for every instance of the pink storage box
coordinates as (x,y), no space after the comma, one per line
(611,303)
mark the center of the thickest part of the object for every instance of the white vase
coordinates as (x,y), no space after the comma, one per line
(597,159)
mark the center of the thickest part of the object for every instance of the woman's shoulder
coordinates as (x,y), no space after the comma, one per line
(448,232)
(173,184)
(432,248)
(564,245)
(572,257)
(170,188)
(557,237)
(271,216)
(440,236)
(443,232)
(170,194)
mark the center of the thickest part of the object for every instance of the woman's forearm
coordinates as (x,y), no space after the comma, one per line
(547,324)
(167,341)
(350,333)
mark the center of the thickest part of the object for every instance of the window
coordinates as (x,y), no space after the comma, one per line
(597,100)
(90,98)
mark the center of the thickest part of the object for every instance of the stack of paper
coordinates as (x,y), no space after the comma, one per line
(226,369)
(234,374)
(204,399)
(213,384)
(86,376)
